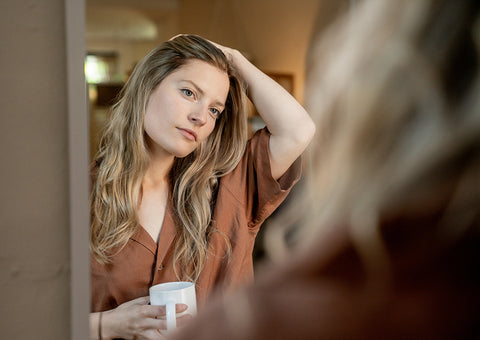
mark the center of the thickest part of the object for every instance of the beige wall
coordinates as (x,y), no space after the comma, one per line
(273,33)
(34,218)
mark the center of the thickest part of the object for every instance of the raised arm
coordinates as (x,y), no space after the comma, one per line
(290,126)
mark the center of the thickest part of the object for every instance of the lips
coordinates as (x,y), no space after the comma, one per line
(189,134)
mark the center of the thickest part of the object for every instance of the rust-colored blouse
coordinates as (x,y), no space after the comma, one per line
(246,197)
(326,291)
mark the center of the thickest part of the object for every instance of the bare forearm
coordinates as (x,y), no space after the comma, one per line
(290,125)
(280,111)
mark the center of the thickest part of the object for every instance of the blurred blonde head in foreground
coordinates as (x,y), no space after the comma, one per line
(395,94)
(382,240)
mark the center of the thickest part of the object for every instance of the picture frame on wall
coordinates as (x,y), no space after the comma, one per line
(284,79)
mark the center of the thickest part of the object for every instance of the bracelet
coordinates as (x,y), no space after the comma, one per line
(100,326)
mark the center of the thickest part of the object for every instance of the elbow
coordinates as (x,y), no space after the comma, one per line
(312,129)
(306,133)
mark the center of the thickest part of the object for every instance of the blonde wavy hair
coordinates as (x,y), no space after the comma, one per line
(395,93)
(123,158)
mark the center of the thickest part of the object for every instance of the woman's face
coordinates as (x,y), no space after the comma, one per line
(182,110)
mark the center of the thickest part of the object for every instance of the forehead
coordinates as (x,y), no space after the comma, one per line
(198,64)
(209,78)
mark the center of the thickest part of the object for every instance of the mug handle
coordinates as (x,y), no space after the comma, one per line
(171,316)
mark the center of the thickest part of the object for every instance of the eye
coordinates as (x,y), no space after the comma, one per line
(187,92)
(215,112)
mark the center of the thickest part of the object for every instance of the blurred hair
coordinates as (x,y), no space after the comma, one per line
(395,94)
(123,158)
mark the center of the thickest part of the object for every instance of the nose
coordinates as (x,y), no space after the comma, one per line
(198,116)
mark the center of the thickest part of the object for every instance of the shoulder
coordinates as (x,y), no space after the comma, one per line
(256,153)
(259,141)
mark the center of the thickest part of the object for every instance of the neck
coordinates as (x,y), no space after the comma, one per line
(157,172)
(159,166)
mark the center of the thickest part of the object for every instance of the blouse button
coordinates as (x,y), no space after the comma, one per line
(160,267)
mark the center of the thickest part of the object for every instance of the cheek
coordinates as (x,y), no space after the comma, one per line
(152,116)
(160,106)
(209,128)
(149,126)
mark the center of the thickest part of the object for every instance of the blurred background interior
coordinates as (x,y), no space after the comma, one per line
(43,139)
(273,34)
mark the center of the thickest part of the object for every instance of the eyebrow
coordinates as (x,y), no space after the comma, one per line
(199,90)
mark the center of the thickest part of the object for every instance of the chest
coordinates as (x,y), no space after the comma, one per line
(151,211)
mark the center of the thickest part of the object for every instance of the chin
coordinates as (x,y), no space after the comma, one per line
(182,154)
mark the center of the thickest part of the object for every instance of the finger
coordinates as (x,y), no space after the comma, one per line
(178,35)
(180,307)
(185,318)
(153,324)
(160,311)
(161,322)
(153,311)
(151,334)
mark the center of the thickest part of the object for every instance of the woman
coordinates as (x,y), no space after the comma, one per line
(389,223)
(178,194)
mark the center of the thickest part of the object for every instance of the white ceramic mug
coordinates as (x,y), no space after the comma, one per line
(169,294)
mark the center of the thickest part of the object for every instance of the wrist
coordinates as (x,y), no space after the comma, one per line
(230,53)
(95,321)
(234,56)
(107,326)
